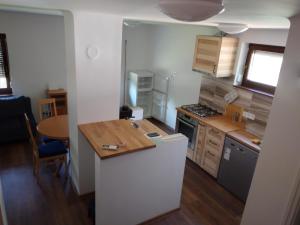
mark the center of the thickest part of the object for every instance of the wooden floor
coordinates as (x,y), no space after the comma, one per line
(54,201)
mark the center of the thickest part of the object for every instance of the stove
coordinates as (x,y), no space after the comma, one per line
(201,110)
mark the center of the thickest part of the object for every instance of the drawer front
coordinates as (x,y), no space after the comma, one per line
(213,148)
(213,145)
(215,134)
(210,163)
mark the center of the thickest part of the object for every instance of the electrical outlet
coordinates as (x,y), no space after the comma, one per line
(249,115)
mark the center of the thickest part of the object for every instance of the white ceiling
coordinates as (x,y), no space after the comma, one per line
(255,13)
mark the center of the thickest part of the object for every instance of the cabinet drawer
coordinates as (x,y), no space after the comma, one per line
(213,150)
(210,163)
(215,134)
(216,145)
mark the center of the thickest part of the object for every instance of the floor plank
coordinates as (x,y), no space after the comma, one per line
(54,201)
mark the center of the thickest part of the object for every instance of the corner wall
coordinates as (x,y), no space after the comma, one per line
(93,84)
(276,173)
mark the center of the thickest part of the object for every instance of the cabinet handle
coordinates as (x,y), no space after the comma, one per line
(213,155)
(213,143)
(212,131)
(214,70)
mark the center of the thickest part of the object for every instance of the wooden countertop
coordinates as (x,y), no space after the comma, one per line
(246,138)
(119,132)
(220,122)
(234,130)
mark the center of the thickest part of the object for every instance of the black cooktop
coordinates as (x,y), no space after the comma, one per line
(201,110)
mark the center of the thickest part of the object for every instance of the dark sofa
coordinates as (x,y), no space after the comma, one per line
(12,121)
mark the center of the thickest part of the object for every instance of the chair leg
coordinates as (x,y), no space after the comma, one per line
(66,166)
(34,166)
(58,167)
(37,173)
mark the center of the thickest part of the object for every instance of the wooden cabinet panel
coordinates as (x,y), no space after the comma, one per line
(190,154)
(212,150)
(200,144)
(215,55)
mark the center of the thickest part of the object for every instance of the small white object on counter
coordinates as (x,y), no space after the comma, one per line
(249,115)
(137,113)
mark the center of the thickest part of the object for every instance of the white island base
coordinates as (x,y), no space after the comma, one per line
(136,187)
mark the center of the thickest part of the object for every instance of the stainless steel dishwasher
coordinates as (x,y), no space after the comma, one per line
(237,168)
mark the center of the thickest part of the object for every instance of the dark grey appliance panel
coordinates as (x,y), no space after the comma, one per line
(237,168)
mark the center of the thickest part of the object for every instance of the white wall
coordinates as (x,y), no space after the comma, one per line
(167,49)
(93,85)
(139,52)
(278,165)
(36,47)
(173,55)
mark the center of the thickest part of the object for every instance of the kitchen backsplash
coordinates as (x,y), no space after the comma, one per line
(212,93)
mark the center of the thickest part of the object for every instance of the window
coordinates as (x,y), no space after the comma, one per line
(262,68)
(4,67)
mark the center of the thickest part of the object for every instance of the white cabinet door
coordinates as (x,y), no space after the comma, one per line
(159,106)
(161,83)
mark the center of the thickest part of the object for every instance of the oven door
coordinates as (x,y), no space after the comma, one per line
(187,129)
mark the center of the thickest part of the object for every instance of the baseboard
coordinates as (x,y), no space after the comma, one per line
(159,216)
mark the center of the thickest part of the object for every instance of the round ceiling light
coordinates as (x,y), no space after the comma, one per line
(232,28)
(191,10)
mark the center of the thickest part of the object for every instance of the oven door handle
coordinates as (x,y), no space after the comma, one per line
(186,123)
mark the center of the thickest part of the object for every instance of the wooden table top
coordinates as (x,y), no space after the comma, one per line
(119,132)
(56,127)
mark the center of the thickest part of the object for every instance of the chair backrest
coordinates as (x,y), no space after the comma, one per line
(47,108)
(32,139)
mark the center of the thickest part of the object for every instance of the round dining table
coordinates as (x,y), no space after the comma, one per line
(56,127)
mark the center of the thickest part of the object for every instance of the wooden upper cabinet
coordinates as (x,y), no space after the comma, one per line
(215,55)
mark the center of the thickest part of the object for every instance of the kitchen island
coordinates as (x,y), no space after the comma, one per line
(143,178)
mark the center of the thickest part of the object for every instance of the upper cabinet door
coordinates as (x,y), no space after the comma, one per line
(215,55)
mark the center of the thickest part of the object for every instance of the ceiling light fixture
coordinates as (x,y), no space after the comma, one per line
(232,28)
(191,10)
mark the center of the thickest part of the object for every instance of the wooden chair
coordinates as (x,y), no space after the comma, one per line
(47,108)
(50,152)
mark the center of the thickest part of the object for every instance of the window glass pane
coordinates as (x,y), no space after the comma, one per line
(265,67)
(3,83)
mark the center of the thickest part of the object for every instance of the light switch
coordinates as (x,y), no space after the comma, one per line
(249,115)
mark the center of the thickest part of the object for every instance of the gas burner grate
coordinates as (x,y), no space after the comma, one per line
(201,110)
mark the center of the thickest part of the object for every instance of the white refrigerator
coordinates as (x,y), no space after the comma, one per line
(149,92)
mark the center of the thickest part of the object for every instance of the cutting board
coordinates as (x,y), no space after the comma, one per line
(234,112)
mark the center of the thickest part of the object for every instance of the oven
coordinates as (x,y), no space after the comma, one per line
(188,127)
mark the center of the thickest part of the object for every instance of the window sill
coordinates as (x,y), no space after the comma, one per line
(254,91)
